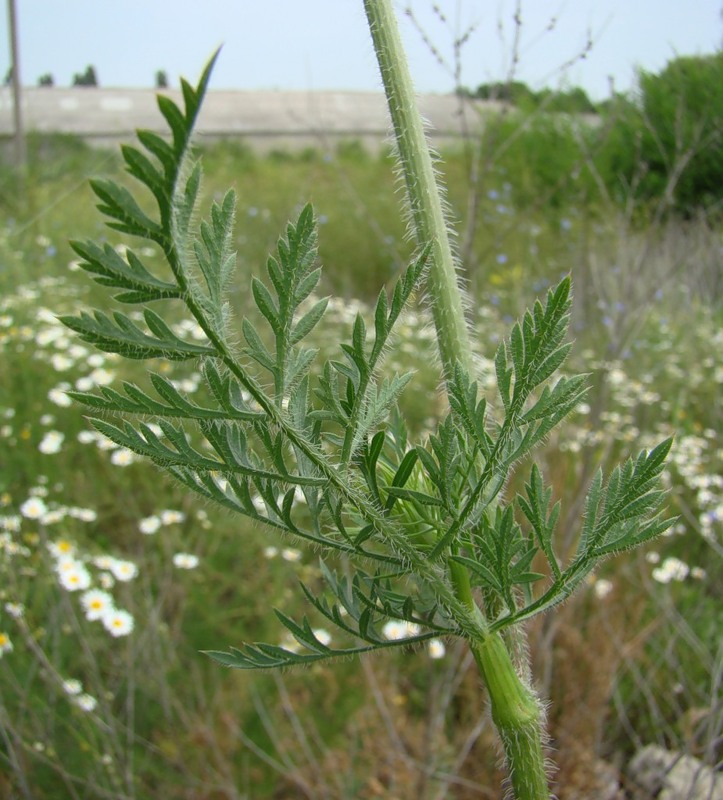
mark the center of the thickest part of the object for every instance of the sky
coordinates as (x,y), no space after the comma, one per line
(324,44)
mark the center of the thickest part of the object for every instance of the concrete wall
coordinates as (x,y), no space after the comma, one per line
(264,119)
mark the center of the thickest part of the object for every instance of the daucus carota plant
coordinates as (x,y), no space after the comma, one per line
(425,530)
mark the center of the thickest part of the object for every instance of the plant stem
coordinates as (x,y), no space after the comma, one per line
(518,718)
(515,710)
(423,192)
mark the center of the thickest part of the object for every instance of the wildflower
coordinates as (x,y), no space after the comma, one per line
(322,635)
(271,552)
(672,569)
(602,588)
(61,548)
(288,642)
(83,514)
(149,525)
(51,442)
(169,517)
(185,561)
(58,395)
(11,523)
(122,457)
(96,603)
(118,622)
(87,437)
(399,629)
(6,646)
(33,508)
(86,702)
(436,648)
(101,377)
(103,562)
(123,570)
(74,577)
(54,516)
(104,443)
(72,686)
(84,384)
(291,554)
(16,610)
(106,580)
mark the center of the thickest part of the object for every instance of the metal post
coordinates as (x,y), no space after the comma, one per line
(20,151)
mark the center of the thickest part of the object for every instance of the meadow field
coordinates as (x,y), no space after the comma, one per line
(113,579)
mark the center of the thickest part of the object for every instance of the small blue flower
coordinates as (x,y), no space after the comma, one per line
(493,194)
(565,224)
(501,258)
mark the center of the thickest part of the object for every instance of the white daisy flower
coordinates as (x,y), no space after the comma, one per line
(122,457)
(123,570)
(72,686)
(185,561)
(51,443)
(86,701)
(96,604)
(74,578)
(169,517)
(118,622)
(33,508)
(149,525)
(58,396)
(436,648)
(6,646)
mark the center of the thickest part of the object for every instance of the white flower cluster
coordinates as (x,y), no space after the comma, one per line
(671,569)
(397,629)
(35,508)
(98,604)
(152,524)
(287,553)
(74,689)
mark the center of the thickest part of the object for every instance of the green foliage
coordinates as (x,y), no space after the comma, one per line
(322,445)
(518,93)
(87,78)
(544,155)
(668,142)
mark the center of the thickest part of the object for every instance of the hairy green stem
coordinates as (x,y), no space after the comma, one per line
(423,192)
(515,710)
(518,717)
